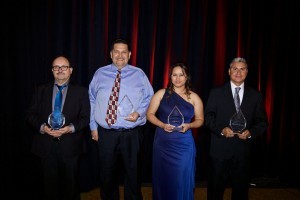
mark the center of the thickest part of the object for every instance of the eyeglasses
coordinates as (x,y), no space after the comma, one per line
(63,67)
(241,70)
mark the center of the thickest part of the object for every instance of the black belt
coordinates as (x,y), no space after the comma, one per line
(120,129)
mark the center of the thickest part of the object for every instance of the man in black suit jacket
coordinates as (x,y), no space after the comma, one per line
(230,151)
(59,150)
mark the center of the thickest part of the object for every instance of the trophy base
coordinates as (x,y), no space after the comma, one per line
(178,128)
(237,132)
(126,118)
(237,129)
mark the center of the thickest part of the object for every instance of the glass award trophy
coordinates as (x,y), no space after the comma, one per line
(176,119)
(56,120)
(125,107)
(238,122)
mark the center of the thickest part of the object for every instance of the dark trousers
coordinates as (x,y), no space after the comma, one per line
(119,147)
(233,171)
(60,176)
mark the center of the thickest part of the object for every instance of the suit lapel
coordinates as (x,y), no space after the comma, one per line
(49,97)
(69,104)
(228,98)
(246,98)
(68,96)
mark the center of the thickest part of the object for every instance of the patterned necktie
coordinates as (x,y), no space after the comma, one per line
(237,99)
(111,113)
(58,98)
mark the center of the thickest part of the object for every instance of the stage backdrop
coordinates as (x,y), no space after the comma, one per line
(204,34)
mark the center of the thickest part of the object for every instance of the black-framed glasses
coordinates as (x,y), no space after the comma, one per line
(63,67)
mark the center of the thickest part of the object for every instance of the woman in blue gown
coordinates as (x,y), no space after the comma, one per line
(174,152)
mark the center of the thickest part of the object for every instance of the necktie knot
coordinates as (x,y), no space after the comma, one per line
(237,89)
(60,87)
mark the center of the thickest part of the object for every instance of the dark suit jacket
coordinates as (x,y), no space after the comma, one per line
(76,110)
(218,111)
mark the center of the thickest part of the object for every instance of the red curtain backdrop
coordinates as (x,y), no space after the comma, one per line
(204,34)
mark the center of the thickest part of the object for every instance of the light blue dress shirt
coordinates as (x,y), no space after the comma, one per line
(134,84)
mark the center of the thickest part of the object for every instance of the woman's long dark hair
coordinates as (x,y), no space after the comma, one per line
(186,72)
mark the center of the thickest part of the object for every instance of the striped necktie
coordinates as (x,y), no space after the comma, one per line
(111,113)
(237,99)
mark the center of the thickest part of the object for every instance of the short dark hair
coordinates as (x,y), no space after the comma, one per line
(119,41)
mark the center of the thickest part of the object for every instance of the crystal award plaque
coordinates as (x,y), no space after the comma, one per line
(238,122)
(125,107)
(56,120)
(176,119)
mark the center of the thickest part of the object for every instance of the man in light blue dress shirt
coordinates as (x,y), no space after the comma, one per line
(121,141)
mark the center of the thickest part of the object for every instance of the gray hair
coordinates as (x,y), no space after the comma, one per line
(239,59)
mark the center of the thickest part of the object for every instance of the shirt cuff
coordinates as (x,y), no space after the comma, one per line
(72,128)
(42,128)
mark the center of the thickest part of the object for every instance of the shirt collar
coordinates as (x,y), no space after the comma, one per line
(66,83)
(115,68)
(233,86)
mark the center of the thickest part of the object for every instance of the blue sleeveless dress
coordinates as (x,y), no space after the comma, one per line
(173,162)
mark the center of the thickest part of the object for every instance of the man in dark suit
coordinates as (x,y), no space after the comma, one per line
(230,150)
(59,150)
